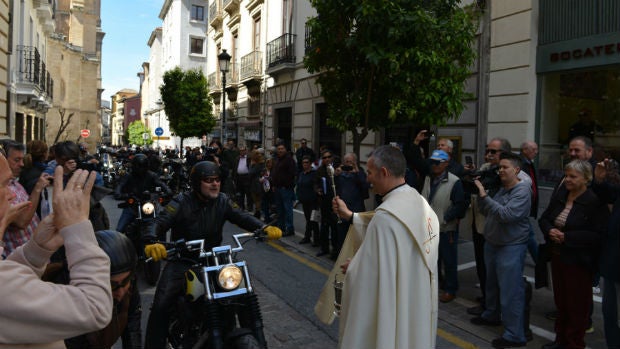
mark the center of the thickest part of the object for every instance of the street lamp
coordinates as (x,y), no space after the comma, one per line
(223,60)
(159,106)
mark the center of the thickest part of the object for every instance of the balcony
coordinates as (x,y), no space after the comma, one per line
(215,14)
(34,85)
(251,71)
(45,12)
(231,6)
(308,44)
(281,54)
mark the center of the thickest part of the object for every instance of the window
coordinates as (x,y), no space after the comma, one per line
(198,13)
(196,46)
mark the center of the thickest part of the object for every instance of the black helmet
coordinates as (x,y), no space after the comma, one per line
(120,250)
(140,163)
(202,170)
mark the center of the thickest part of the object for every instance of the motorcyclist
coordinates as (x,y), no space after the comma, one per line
(199,214)
(127,311)
(135,183)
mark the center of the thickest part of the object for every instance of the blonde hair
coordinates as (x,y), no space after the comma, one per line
(582,167)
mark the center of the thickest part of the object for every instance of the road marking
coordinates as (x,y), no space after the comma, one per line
(442,333)
(466,266)
(300,259)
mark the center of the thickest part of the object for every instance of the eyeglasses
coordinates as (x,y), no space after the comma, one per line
(327,157)
(118,284)
(492,151)
(211,179)
(435,162)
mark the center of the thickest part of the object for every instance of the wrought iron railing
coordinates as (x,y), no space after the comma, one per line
(281,50)
(251,65)
(308,44)
(29,64)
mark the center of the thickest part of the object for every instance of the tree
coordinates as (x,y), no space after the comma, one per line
(187,103)
(385,63)
(135,131)
(63,123)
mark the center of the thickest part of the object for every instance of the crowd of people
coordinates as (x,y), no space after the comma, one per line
(260,188)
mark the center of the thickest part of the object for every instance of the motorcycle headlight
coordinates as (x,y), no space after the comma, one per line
(230,277)
(148,208)
(165,170)
(105,165)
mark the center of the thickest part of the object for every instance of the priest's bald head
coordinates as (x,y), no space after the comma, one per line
(386,169)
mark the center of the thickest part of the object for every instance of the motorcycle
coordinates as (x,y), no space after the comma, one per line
(175,176)
(219,308)
(145,207)
(108,171)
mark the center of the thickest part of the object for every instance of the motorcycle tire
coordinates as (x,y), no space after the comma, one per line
(246,341)
(151,272)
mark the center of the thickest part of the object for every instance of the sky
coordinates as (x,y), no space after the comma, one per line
(127,26)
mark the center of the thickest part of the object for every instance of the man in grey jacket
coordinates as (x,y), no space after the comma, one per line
(506,232)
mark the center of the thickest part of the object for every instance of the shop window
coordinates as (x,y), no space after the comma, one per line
(578,103)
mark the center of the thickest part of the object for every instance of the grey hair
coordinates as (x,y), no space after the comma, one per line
(505,144)
(449,143)
(391,158)
(351,155)
(582,167)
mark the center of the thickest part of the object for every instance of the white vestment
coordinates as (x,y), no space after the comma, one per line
(390,289)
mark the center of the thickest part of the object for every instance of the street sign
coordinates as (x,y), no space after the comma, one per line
(145,136)
(85,133)
(159,131)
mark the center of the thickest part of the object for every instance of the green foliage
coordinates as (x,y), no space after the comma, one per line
(135,131)
(187,103)
(384,63)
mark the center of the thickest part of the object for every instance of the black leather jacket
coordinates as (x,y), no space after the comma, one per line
(132,184)
(191,218)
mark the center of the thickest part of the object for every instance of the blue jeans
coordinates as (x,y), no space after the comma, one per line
(505,289)
(127,216)
(610,313)
(448,255)
(284,206)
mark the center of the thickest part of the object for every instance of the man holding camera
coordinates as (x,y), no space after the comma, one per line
(352,188)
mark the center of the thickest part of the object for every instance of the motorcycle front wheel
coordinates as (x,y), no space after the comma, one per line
(246,341)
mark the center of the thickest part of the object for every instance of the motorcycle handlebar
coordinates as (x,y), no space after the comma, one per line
(198,245)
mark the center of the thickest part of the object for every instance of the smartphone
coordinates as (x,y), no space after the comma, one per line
(469,160)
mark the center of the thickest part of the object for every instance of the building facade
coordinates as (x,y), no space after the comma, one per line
(117,115)
(30,84)
(5,33)
(74,60)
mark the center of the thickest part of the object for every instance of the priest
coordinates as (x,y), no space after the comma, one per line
(389,298)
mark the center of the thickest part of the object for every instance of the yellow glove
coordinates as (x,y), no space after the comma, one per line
(155,251)
(273,233)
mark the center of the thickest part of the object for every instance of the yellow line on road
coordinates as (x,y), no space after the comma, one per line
(443,334)
(455,340)
(300,259)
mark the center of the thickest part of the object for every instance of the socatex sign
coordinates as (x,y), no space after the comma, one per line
(584,52)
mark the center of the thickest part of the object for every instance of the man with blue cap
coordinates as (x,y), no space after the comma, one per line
(444,193)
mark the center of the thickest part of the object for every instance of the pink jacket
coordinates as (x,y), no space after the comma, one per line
(38,314)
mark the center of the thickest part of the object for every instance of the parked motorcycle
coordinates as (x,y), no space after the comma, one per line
(146,207)
(175,175)
(219,308)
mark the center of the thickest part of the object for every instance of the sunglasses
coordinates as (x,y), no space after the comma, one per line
(118,284)
(435,162)
(212,179)
(492,151)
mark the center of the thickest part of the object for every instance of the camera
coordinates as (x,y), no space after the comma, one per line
(489,179)
(211,150)
(347,168)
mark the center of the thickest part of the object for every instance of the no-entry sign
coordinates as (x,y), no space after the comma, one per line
(85,133)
